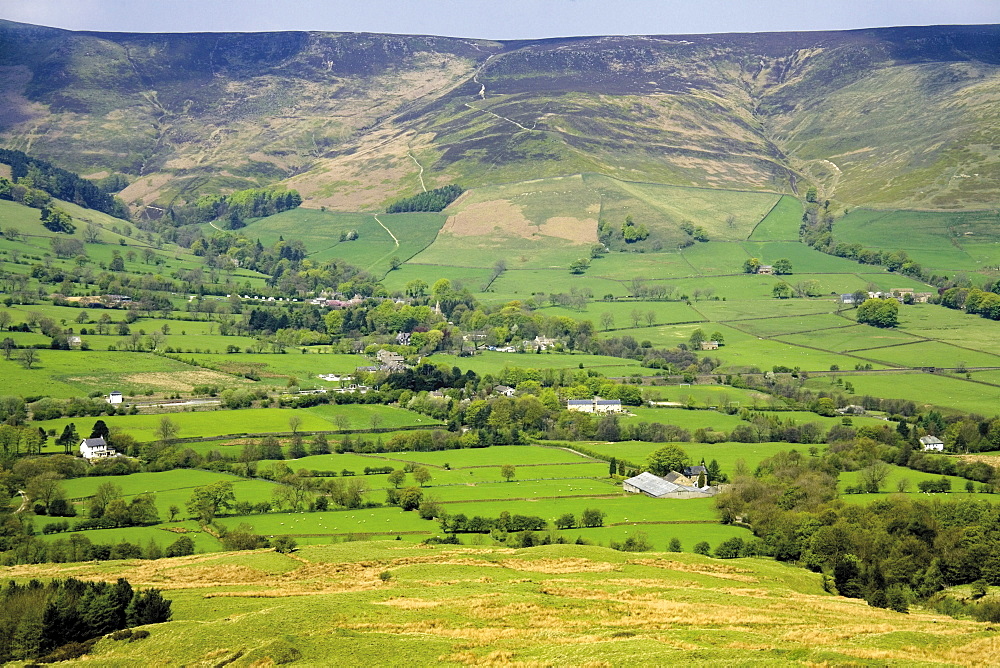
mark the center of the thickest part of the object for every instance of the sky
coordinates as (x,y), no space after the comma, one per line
(495,19)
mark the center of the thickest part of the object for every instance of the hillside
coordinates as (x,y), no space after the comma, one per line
(898,117)
(558,604)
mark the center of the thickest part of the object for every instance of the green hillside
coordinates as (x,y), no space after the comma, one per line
(372,603)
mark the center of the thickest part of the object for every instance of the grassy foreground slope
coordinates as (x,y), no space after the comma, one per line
(552,605)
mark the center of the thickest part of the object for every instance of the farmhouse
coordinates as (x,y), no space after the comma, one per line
(852,409)
(672,486)
(390,361)
(96,448)
(504,390)
(709,345)
(932,443)
(595,405)
(115,397)
(766,269)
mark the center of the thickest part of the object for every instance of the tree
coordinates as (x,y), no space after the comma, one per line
(284,544)
(668,458)
(147,607)
(181,547)
(873,477)
(879,312)
(7,345)
(29,358)
(781,290)
(607,320)
(579,265)
(565,521)
(44,488)
(100,430)
(206,502)
(421,475)
(507,471)
(783,266)
(674,545)
(397,477)
(166,429)
(394,263)
(592,517)
(702,548)
(174,511)
(105,493)
(409,498)
(320,445)
(697,336)
(294,422)
(751,266)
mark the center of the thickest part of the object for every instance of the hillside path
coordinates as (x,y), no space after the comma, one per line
(420,175)
(386,229)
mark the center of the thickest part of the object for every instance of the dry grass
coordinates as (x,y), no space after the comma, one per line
(714,570)
(495,217)
(572,229)
(181,381)
(555,566)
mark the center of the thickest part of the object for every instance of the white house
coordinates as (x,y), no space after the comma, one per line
(595,405)
(505,390)
(115,398)
(96,448)
(932,443)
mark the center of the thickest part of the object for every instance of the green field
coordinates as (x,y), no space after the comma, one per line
(203,424)
(936,240)
(320,232)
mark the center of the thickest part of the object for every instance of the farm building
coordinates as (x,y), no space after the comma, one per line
(672,486)
(96,448)
(709,345)
(852,409)
(766,269)
(115,397)
(504,390)
(595,405)
(847,298)
(932,443)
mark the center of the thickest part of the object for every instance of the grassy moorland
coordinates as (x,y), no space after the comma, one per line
(566,604)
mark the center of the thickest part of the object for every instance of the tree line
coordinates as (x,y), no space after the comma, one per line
(432,200)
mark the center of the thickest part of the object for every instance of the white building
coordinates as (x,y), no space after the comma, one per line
(595,405)
(932,444)
(96,448)
(115,398)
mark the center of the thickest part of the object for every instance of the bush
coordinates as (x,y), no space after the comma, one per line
(284,544)
(702,548)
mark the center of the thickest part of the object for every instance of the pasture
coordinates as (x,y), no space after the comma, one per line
(215,423)
(558,604)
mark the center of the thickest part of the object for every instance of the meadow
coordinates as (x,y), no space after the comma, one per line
(215,423)
(558,604)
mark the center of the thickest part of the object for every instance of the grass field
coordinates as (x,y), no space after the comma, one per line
(727,454)
(926,390)
(253,420)
(494,362)
(936,240)
(320,231)
(558,604)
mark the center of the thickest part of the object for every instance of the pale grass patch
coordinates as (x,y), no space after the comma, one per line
(714,570)
(408,603)
(182,381)
(581,231)
(567,565)
(491,217)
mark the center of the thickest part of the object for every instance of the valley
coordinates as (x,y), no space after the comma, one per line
(359,425)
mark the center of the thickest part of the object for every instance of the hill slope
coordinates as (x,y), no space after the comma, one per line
(887,117)
(559,604)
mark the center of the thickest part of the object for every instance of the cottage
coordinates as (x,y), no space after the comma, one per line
(852,409)
(504,390)
(595,405)
(847,298)
(932,443)
(766,269)
(709,345)
(115,398)
(96,448)
(667,487)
